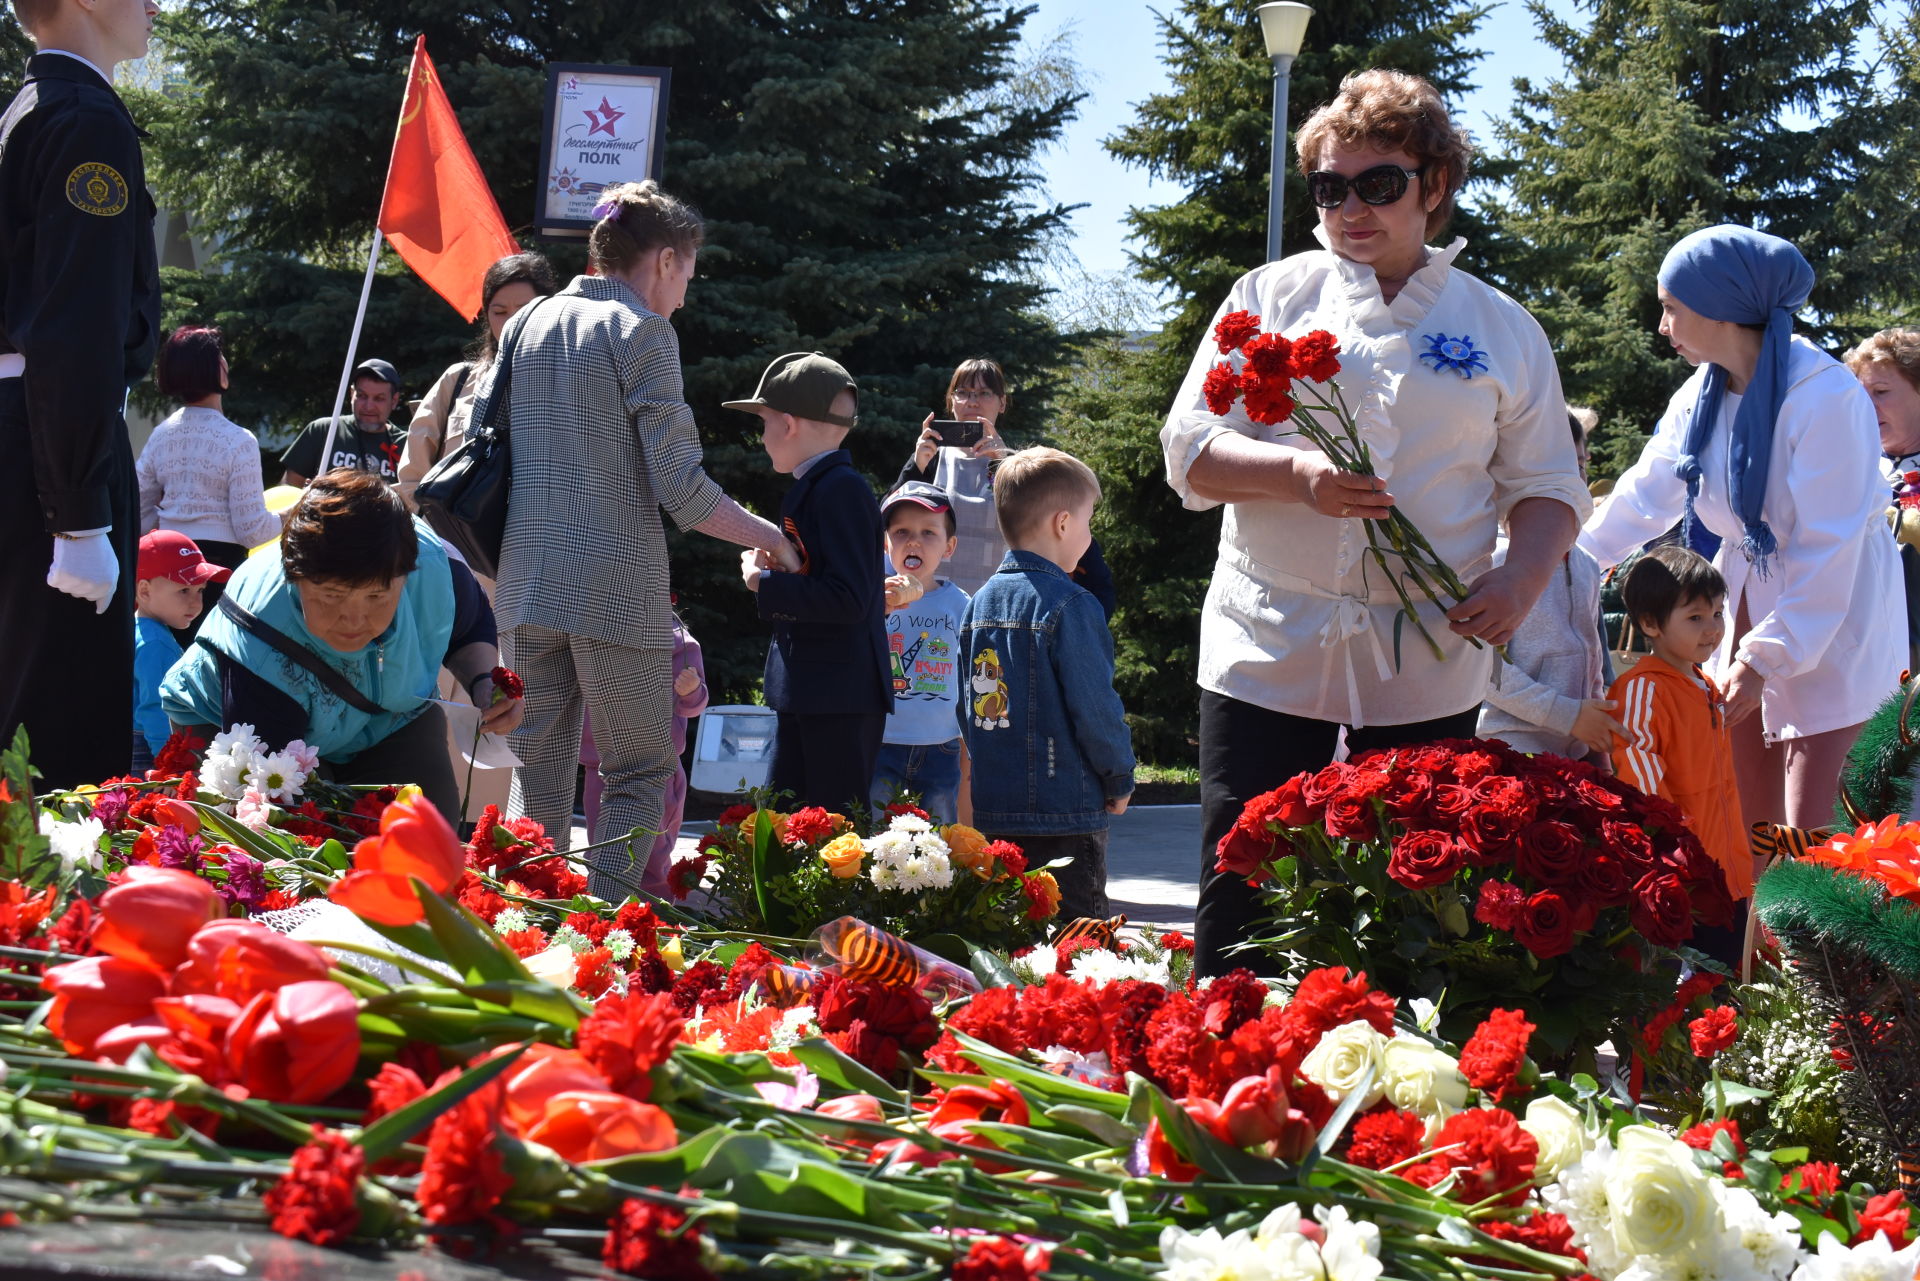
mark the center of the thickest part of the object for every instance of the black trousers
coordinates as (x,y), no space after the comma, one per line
(826,759)
(66,672)
(1083,882)
(1244,751)
(415,753)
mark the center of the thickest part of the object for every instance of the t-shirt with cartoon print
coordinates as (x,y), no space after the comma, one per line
(922,642)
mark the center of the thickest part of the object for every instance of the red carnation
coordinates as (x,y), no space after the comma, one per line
(313,1201)
(1235,329)
(1545,926)
(1221,389)
(653,1241)
(464,1175)
(1175,941)
(1269,359)
(686,874)
(1327,998)
(507,684)
(626,1037)
(1266,399)
(1813,1180)
(809,825)
(1701,1137)
(1500,905)
(1489,1152)
(998,1259)
(593,971)
(1422,860)
(1493,1056)
(1714,1031)
(1386,1137)
(1885,1215)
(1661,910)
(734,816)
(1316,356)
(180,753)
(392,1088)
(1009,855)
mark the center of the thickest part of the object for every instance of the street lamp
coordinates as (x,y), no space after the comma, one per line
(1283,25)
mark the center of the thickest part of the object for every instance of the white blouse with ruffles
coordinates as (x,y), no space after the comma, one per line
(1299,619)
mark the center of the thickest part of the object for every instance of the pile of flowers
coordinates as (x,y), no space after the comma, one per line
(1469,873)
(789,873)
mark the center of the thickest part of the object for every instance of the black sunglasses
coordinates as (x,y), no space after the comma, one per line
(1380,185)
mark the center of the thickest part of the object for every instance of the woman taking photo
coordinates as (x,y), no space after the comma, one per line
(976,393)
(1770,448)
(338,638)
(1295,635)
(440,423)
(200,472)
(602,441)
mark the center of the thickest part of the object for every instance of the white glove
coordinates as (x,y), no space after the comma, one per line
(85,567)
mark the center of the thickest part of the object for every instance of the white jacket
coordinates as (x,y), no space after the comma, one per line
(1827,630)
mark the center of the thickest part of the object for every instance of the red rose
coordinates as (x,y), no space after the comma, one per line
(1351,818)
(1500,904)
(1244,854)
(1661,910)
(1221,389)
(1603,879)
(1427,759)
(1550,852)
(1366,784)
(1712,901)
(1545,925)
(1475,763)
(1493,1056)
(1235,329)
(1597,797)
(1628,843)
(1714,1031)
(1449,805)
(1289,805)
(1407,793)
(1324,784)
(1425,859)
(1316,356)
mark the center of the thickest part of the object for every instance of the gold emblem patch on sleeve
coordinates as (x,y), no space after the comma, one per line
(97,189)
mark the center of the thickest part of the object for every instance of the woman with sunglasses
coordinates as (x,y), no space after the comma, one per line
(1767,455)
(1456,394)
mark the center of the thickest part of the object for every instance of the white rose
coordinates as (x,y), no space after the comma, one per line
(1659,1199)
(1344,1058)
(555,965)
(1561,1132)
(1421,1078)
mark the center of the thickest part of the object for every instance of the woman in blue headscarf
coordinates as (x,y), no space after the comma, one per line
(1770,448)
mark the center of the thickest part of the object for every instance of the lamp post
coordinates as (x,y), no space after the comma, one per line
(1283,25)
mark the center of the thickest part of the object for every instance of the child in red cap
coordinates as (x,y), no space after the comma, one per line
(171,577)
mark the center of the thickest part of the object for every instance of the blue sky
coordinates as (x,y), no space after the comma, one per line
(1117,43)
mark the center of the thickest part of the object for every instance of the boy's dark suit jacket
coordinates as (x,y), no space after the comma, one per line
(829,651)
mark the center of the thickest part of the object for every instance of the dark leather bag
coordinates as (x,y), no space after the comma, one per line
(464,496)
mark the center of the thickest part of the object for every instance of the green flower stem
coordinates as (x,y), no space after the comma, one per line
(29,954)
(773,1223)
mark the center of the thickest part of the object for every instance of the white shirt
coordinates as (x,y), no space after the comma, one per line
(1828,632)
(1299,619)
(200,475)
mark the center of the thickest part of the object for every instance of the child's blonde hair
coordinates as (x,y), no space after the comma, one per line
(1032,485)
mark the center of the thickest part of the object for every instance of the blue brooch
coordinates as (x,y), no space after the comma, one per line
(1454,353)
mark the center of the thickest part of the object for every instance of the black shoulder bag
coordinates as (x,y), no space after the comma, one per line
(464,497)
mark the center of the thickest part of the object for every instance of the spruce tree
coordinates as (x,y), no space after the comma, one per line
(1211,132)
(867,185)
(1676,116)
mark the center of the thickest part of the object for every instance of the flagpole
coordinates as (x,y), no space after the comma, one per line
(353,349)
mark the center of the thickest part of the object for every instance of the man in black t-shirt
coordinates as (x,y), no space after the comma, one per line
(367,441)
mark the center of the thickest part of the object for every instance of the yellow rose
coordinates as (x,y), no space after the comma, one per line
(843,855)
(1348,1059)
(969,849)
(1560,1130)
(1657,1195)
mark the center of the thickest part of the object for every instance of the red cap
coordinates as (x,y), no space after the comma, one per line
(166,553)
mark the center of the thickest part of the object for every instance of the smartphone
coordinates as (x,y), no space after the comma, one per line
(958,434)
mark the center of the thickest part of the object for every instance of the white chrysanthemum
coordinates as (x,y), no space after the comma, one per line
(910,823)
(900,861)
(511,920)
(1873,1260)
(1580,1194)
(225,775)
(77,843)
(237,741)
(1769,1242)
(277,776)
(1421,1078)
(1034,967)
(1343,1058)
(1098,965)
(620,943)
(795,1026)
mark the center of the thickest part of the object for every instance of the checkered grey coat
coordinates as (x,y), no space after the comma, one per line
(602,440)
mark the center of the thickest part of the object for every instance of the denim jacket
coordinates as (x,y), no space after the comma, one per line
(1046,732)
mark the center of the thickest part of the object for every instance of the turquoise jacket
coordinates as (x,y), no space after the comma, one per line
(398,670)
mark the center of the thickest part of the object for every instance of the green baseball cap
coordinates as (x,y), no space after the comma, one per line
(804,384)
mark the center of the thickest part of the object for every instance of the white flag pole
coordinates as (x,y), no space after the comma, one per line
(353,350)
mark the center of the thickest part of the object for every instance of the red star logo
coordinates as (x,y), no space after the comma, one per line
(602,120)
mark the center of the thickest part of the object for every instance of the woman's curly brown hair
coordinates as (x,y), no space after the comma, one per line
(1392,111)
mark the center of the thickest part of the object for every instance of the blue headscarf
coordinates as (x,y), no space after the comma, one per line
(1750,278)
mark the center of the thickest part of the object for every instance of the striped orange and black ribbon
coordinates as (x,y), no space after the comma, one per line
(1104,933)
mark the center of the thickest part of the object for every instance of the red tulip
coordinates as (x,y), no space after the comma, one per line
(165,811)
(852,1107)
(149,917)
(296,1045)
(999,1101)
(414,841)
(593,1125)
(1256,1109)
(94,996)
(117,1044)
(239,960)
(541,1073)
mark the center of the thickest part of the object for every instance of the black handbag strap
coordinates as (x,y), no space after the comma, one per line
(459,385)
(503,381)
(260,629)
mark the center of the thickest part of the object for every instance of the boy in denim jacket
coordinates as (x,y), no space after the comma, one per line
(1052,756)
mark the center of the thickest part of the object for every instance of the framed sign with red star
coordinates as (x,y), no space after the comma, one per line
(601,126)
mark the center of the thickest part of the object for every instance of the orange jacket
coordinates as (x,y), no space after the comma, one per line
(1677,748)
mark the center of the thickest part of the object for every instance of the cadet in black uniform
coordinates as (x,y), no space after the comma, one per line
(79,316)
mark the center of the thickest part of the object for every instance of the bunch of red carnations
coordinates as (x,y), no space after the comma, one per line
(1468,869)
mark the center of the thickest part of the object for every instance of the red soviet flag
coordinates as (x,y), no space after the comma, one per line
(437,210)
